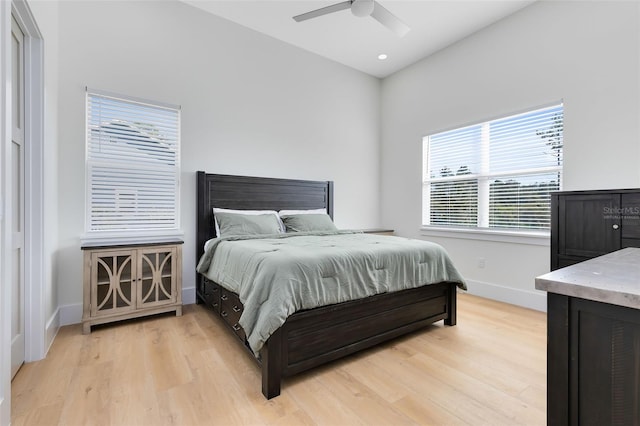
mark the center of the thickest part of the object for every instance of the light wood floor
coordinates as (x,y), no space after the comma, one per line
(489,369)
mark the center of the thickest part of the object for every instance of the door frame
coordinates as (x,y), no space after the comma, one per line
(35,322)
(34,278)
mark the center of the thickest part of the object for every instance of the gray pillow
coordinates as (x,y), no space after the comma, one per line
(244,224)
(308,223)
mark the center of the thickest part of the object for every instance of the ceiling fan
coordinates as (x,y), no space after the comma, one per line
(361,8)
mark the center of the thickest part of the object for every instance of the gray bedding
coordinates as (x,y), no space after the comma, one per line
(277,275)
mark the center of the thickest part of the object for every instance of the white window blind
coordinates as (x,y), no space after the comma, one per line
(496,174)
(133,166)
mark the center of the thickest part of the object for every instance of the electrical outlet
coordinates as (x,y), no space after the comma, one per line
(482,262)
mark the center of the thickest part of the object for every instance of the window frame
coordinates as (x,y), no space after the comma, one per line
(93,237)
(483,178)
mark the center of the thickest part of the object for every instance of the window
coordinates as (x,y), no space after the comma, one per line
(495,175)
(133,167)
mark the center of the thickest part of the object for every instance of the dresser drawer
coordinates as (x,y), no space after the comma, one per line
(212,294)
(230,310)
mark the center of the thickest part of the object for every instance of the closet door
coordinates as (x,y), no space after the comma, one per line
(17,198)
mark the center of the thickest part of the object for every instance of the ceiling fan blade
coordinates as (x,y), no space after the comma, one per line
(389,20)
(323,11)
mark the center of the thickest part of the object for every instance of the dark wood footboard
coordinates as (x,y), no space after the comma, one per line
(313,337)
(316,336)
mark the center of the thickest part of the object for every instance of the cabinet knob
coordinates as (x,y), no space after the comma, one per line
(616,226)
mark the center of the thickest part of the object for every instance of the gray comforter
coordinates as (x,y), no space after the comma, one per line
(277,275)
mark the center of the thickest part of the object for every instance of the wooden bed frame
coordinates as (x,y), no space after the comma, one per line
(311,337)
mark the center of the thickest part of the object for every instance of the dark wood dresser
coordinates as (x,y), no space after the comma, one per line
(593,299)
(587,224)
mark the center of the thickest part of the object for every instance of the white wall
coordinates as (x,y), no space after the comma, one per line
(253,105)
(250,105)
(584,53)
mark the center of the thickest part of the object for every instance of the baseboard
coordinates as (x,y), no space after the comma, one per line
(188,296)
(52,327)
(526,298)
(5,410)
(72,314)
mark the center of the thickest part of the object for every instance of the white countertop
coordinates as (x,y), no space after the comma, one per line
(613,278)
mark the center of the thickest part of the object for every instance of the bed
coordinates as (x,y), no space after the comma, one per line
(308,337)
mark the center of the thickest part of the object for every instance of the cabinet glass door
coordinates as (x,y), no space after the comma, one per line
(114,277)
(156,285)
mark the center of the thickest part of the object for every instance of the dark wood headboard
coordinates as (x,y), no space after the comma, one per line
(255,193)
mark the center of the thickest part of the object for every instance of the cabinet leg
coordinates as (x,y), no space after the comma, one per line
(179,311)
(86,328)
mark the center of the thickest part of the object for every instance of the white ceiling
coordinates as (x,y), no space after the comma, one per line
(357,42)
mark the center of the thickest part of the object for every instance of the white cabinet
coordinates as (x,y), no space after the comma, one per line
(122,282)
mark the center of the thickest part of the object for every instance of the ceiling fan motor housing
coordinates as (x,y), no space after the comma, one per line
(362,8)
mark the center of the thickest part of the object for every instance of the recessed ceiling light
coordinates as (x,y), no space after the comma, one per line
(382,56)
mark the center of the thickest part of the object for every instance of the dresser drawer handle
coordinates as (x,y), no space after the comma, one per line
(224,314)
(236,309)
(237,327)
(224,297)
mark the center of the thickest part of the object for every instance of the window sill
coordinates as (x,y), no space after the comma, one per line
(514,237)
(104,239)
